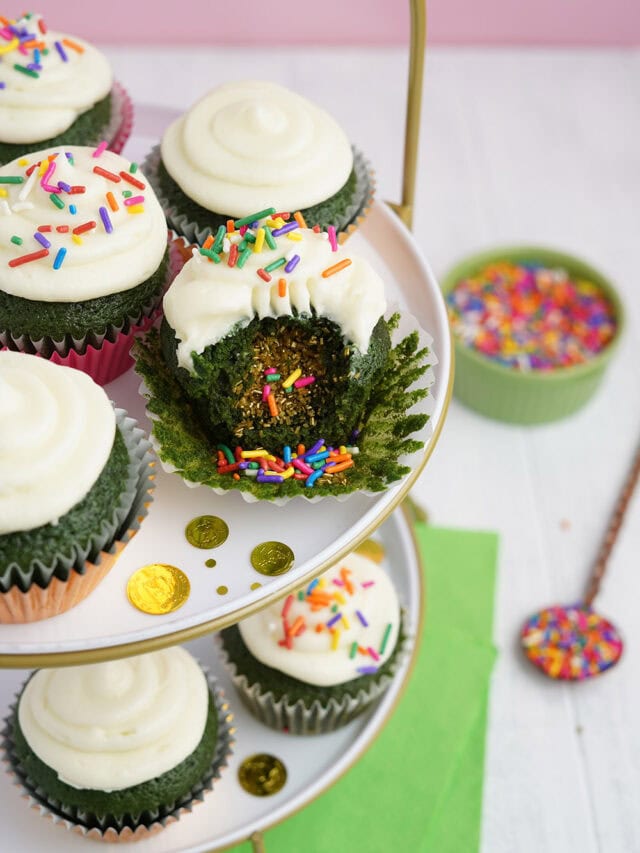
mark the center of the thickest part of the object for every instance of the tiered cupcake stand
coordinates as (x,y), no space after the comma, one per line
(106,626)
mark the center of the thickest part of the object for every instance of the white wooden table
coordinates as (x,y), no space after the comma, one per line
(516,145)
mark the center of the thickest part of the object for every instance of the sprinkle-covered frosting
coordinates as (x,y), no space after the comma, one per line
(251,144)
(340,627)
(110,726)
(47,79)
(56,434)
(274,268)
(77,223)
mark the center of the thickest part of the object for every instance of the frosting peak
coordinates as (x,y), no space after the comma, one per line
(44,92)
(307,640)
(93,218)
(250,144)
(55,439)
(109,726)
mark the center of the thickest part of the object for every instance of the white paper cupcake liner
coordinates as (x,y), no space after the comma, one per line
(130,829)
(318,717)
(408,324)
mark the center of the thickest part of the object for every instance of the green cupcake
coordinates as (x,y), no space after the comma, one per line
(75,477)
(318,659)
(279,348)
(83,256)
(247,146)
(57,90)
(117,750)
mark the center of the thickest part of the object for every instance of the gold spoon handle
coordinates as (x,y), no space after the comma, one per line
(613,530)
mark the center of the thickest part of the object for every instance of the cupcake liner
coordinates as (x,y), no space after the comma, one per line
(194,232)
(119,128)
(362,212)
(35,593)
(317,718)
(106,355)
(130,828)
(417,406)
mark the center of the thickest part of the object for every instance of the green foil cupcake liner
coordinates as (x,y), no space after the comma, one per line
(47,346)
(315,717)
(125,521)
(397,423)
(130,827)
(197,232)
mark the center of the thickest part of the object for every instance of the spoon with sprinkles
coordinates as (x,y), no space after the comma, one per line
(574,642)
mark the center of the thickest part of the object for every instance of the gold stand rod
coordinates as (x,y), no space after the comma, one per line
(414,107)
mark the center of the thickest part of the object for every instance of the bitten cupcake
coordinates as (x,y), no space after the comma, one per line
(83,257)
(117,751)
(274,371)
(313,662)
(56,89)
(249,145)
(74,485)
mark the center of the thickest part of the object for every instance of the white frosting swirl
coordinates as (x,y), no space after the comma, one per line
(207,300)
(249,145)
(311,658)
(56,434)
(109,726)
(35,109)
(101,263)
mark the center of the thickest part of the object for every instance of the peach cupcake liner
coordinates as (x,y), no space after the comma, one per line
(47,594)
(103,356)
(131,831)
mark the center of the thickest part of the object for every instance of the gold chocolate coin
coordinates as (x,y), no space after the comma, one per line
(272,558)
(256,585)
(372,549)
(222,590)
(206,531)
(158,588)
(262,774)
(210,564)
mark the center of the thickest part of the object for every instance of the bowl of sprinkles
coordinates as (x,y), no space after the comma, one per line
(534,330)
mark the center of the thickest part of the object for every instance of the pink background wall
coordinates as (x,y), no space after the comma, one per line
(547,22)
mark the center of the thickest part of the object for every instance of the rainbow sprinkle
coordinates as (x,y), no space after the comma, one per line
(38,178)
(529,317)
(571,643)
(319,598)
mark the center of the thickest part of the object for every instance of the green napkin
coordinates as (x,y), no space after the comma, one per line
(419,788)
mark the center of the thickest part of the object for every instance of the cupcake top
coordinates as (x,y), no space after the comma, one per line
(250,144)
(56,435)
(77,223)
(110,726)
(47,79)
(338,628)
(305,275)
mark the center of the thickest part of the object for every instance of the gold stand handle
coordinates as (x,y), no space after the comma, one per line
(257,843)
(414,106)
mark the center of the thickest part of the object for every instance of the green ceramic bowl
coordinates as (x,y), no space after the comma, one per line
(533,397)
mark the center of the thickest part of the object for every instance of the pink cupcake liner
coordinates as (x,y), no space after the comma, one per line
(111,358)
(124,106)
